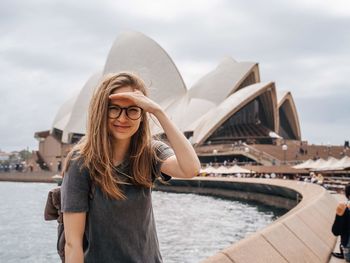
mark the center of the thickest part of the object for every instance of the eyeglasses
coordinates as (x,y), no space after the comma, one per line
(132,112)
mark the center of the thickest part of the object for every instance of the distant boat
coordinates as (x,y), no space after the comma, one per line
(57,178)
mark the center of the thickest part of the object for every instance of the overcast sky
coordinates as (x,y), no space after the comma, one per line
(48,49)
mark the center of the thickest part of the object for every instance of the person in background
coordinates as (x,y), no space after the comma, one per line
(320,179)
(59,166)
(341,226)
(313,177)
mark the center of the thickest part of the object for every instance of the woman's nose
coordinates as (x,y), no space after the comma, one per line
(123,116)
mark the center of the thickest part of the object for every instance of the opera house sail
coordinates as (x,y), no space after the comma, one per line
(227,105)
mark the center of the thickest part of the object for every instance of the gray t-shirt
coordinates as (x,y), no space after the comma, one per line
(116,230)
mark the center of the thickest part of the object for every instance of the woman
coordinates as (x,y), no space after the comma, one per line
(106,190)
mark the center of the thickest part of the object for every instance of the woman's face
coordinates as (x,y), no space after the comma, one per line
(122,127)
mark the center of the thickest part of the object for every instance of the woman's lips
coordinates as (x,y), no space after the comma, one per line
(121,127)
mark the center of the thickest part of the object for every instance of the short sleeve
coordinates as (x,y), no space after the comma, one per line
(163,152)
(75,188)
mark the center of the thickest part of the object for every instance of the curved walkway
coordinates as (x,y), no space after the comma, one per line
(301,235)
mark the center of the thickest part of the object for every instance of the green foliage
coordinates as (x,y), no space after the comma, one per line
(25,155)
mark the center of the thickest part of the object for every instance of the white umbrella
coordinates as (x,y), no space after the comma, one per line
(342,164)
(305,165)
(237,169)
(222,170)
(328,165)
(317,164)
(209,170)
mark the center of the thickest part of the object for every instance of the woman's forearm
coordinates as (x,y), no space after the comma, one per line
(185,154)
(73,254)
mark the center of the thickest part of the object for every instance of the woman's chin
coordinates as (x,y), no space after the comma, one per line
(122,135)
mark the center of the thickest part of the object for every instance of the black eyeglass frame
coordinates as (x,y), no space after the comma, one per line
(126,111)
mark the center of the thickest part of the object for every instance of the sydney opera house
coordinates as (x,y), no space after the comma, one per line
(228,114)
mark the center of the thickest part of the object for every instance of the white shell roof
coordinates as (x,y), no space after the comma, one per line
(176,112)
(63,114)
(286,96)
(222,81)
(201,109)
(281,96)
(196,109)
(75,121)
(202,97)
(215,117)
(135,52)
(186,111)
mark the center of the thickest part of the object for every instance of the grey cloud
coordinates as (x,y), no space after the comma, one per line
(37,59)
(268,33)
(332,109)
(53,47)
(325,133)
(325,119)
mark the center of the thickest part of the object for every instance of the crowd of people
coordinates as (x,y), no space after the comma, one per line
(17,167)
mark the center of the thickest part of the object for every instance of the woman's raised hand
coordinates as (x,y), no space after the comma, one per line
(138,98)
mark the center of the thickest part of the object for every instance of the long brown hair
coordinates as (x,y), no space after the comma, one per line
(95,148)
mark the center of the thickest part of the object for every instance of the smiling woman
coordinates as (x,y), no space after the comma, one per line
(124,117)
(106,190)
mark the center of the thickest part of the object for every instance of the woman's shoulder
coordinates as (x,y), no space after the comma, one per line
(159,144)
(162,149)
(76,166)
(156,142)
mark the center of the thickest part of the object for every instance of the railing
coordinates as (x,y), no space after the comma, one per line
(241,149)
(260,155)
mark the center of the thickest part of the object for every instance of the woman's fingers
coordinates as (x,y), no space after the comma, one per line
(138,98)
(129,95)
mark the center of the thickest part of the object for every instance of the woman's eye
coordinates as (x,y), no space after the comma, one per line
(133,110)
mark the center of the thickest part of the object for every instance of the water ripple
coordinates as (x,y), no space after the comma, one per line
(190,227)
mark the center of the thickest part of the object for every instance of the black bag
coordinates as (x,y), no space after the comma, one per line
(53,212)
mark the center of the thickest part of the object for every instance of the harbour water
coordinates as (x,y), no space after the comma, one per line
(190,227)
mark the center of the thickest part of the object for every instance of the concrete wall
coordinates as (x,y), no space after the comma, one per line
(301,235)
(39,176)
(266,194)
(51,150)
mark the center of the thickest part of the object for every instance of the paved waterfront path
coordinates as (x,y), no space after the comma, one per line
(42,177)
(301,235)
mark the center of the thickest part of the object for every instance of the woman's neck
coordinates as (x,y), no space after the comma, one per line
(120,149)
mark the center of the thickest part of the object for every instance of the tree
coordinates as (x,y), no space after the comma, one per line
(25,155)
